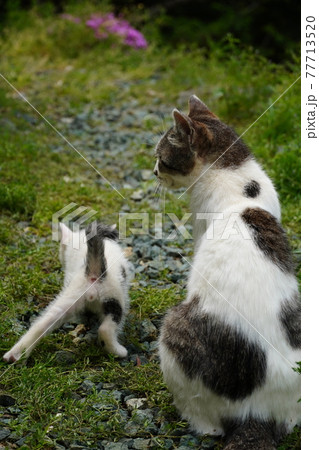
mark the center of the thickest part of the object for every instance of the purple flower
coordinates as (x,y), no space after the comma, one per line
(95,21)
(106,24)
(135,39)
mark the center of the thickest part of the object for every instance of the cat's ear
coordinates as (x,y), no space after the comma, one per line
(183,124)
(66,233)
(198,108)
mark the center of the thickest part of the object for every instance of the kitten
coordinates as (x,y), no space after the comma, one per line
(228,350)
(95,281)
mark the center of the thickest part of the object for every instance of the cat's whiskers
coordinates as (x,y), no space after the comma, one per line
(158,191)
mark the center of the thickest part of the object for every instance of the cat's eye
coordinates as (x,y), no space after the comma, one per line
(166,165)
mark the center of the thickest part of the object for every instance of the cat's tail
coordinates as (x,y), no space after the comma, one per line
(96,265)
(252,434)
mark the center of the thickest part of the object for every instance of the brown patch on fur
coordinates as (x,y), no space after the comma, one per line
(269,236)
(290,318)
(207,348)
(253,434)
(218,144)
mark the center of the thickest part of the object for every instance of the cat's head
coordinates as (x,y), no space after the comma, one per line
(196,141)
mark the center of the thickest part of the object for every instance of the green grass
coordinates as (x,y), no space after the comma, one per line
(61,69)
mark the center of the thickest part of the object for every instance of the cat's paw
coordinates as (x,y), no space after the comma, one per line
(12,356)
(120,351)
(115,348)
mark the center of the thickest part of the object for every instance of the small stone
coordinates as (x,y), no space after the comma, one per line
(108,386)
(87,386)
(104,407)
(141,444)
(78,446)
(155,251)
(153,347)
(142,416)
(14,410)
(6,400)
(4,433)
(157,265)
(135,403)
(123,415)
(68,326)
(6,420)
(80,329)
(99,386)
(146,175)
(65,358)
(117,395)
(161,443)
(21,441)
(189,441)
(148,330)
(137,196)
(104,393)
(75,396)
(172,251)
(114,445)
(131,428)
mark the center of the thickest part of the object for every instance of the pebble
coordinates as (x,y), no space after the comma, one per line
(114,446)
(141,444)
(135,403)
(65,358)
(137,195)
(148,331)
(87,386)
(4,433)
(189,441)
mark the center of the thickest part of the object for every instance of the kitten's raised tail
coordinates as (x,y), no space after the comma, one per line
(252,435)
(96,266)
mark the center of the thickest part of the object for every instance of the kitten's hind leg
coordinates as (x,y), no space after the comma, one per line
(58,312)
(109,328)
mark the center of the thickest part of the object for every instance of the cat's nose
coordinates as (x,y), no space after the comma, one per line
(155,171)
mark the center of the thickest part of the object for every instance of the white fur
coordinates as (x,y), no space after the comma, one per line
(238,284)
(79,293)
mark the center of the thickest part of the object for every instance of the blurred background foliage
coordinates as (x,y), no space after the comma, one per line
(272,27)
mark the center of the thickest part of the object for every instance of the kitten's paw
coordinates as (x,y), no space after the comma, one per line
(120,351)
(12,356)
(113,347)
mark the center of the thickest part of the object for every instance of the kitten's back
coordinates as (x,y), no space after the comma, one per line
(96,265)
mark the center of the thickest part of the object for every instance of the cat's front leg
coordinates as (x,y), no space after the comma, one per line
(108,331)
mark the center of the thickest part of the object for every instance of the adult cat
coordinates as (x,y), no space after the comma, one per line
(227,352)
